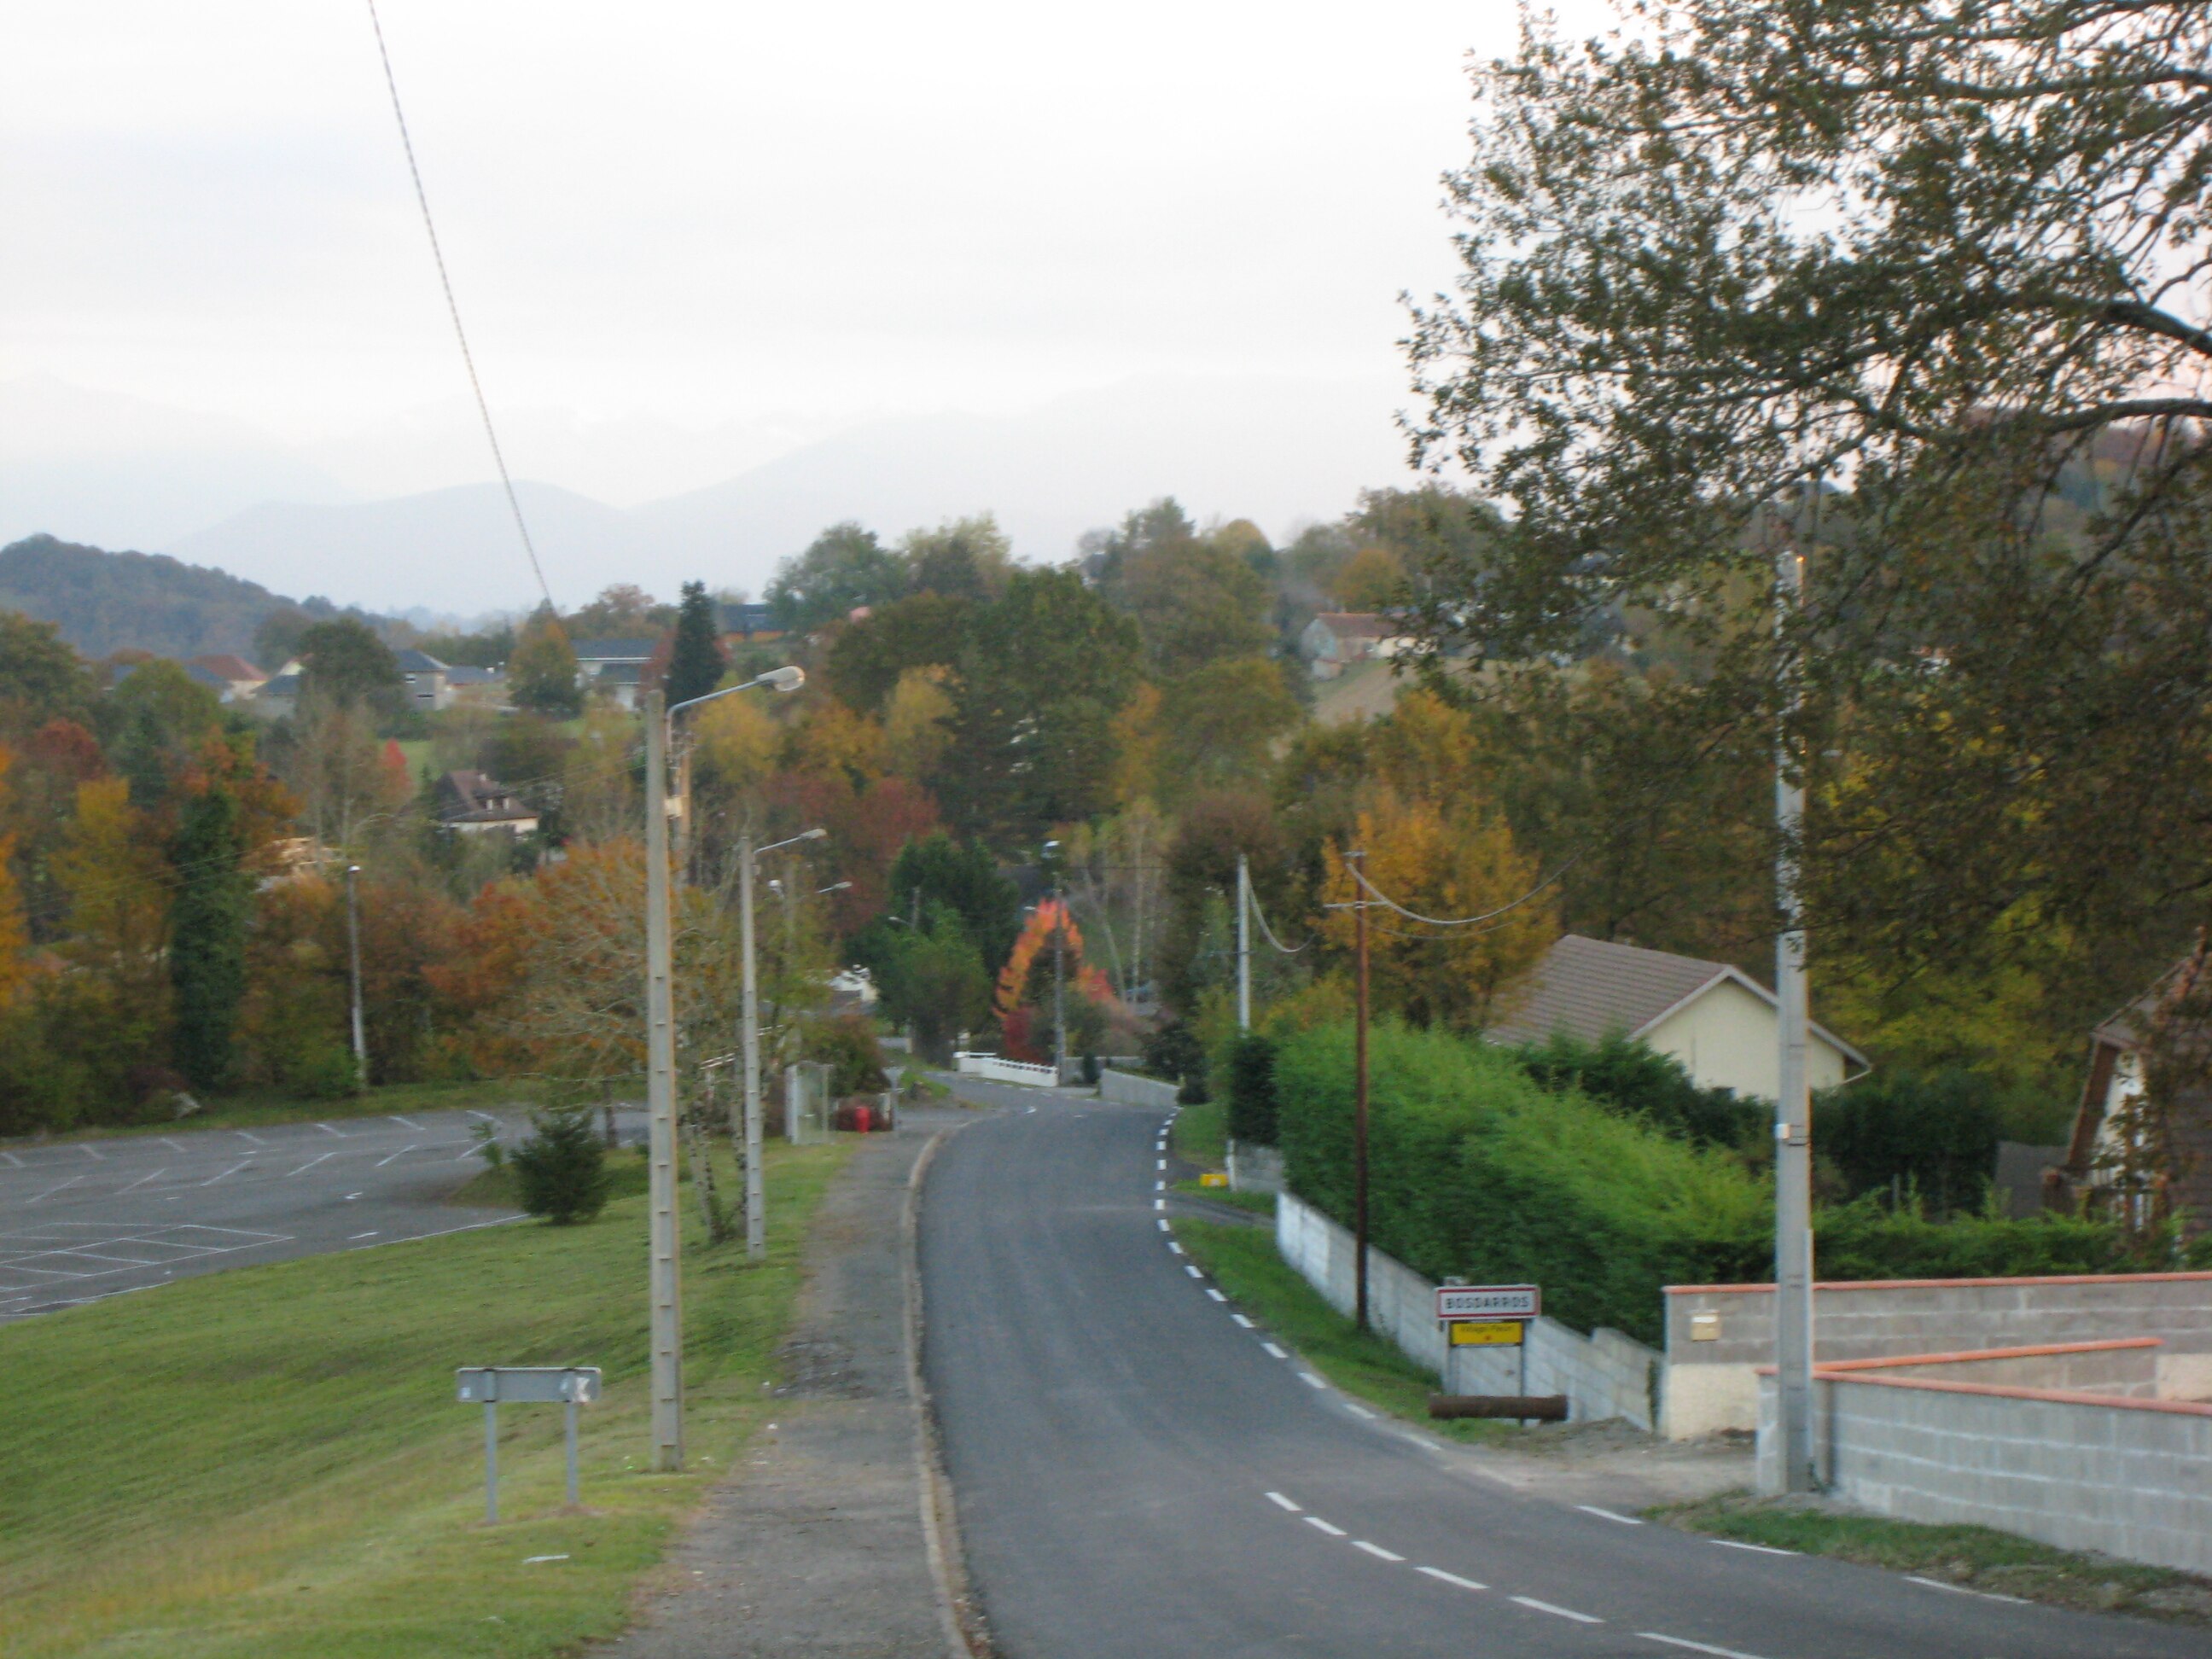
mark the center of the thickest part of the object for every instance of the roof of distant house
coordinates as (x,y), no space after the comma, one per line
(477,798)
(463,674)
(419,662)
(1591,987)
(615,650)
(231,667)
(281,686)
(1360,624)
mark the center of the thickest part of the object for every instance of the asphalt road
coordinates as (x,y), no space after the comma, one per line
(83,1219)
(1140,1472)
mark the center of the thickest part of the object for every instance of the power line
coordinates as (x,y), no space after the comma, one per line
(1287,949)
(454,310)
(1387,903)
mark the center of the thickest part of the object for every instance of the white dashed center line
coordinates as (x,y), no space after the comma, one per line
(1282,1503)
(1694,1647)
(1607,1514)
(1375,1550)
(1530,1601)
(1315,1521)
(1452,1578)
(1274,1351)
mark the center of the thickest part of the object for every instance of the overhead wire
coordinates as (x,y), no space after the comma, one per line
(454,310)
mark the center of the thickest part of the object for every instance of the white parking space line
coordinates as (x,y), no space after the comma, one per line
(141,1182)
(1375,1550)
(1756,1549)
(1607,1514)
(486,1116)
(256,1140)
(1452,1578)
(1275,1351)
(318,1159)
(402,1152)
(90,1150)
(232,1170)
(327,1130)
(1557,1612)
(1315,1521)
(1694,1647)
(1240,1320)
(1282,1503)
(13,1160)
(406,1122)
(467,1153)
(172,1145)
(50,1191)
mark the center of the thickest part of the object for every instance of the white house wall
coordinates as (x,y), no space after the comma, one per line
(1727,1039)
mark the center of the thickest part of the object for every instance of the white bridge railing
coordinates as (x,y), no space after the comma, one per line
(999,1070)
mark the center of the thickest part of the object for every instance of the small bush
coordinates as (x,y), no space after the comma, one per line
(1631,1077)
(1934,1135)
(561,1171)
(1174,1051)
(1251,1090)
(847,1046)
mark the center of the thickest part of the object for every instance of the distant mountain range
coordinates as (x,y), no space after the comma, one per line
(1279,452)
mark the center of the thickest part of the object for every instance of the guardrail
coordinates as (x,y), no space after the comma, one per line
(997,1069)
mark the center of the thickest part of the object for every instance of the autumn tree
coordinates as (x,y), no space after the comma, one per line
(843,568)
(968,559)
(344,664)
(1373,579)
(208,930)
(1217,723)
(542,676)
(15,936)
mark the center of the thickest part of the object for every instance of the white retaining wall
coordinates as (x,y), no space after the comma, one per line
(2132,1477)
(1127,1089)
(1253,1168)
(1604,1374)
(1718,1335)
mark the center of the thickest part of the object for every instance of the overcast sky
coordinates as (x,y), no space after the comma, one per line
(773,218)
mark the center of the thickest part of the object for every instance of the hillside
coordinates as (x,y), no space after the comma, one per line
(106,602)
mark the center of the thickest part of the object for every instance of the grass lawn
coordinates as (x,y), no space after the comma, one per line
(1201,1135)
(1245,1263)
(1974,1558)
(1258,1203)
(250,1111)
(270,1463)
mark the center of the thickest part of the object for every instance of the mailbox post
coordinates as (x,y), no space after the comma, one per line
(567,1386)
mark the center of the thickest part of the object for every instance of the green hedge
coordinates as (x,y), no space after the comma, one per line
(1477,1173)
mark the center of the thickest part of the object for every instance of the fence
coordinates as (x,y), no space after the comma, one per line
(998,1069)
(1604,1374)
(1127,1089)
(1718,1335)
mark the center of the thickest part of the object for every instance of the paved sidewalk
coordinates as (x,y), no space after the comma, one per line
(818,1546)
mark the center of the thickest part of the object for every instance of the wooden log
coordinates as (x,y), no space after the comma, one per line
(1536,1407)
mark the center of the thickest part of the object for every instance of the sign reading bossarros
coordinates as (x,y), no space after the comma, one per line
(1457,1302)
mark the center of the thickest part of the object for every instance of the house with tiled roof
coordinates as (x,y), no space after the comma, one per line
(241,678)
(1723,1024)
(472,803)
(1335,640)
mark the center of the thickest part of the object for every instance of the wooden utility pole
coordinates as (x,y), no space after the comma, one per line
(1359,1095)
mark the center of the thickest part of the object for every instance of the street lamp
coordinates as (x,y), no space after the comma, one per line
(1059,972)
(663,1279)
(353,946)
(749,1036)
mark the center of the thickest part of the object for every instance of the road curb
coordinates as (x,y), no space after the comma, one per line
(966,1636)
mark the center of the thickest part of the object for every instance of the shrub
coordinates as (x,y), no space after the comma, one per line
(847,1046)
(1933,1133)
(1174,1051)
(1251,1086)
(561,1171)
(1634,1078)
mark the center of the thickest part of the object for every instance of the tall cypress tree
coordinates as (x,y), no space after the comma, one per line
(206,937)
(696,662)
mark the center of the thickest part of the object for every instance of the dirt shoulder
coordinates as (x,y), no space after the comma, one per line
(818,1546)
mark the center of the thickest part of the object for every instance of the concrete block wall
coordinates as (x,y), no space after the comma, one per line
(1710,1385)
(1127,1089)
(1604,1374)
(2132,1477)
(1253,1168)
(2126,1368)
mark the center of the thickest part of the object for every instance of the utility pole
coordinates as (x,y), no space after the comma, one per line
(1059,984)
(1244,943)
(353,944)
(746,1132)
(1357,859)
(1793,1118)
(666,1315)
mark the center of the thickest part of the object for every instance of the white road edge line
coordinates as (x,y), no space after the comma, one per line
(357,1237)
(1282,1503)
(1240,1320)
(1694,1647)
(1159,1185)
(1452,1578)
(1375,1550)
(1756,1549)
(1159,1204)
(1176,1248)
(1359,1410)
(1315,1521)
(1275,1351)
(1311,1381)
(1215,1294)
(1607,1514)
(1960,1589)
(1192,1270)
(1558,1613)
(1163,1226)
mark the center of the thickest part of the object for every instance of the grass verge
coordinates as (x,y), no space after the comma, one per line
(1201,1134)
(270,1462)
(1252,1274)
(1258,1203)
(1969,1557)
